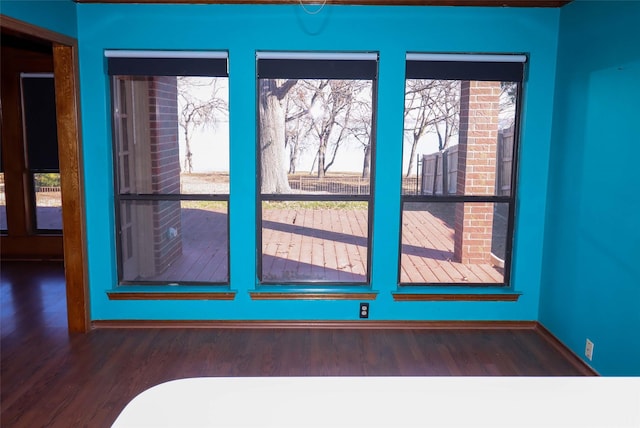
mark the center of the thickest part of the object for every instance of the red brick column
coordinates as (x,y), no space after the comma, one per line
(479,108)
(165,169)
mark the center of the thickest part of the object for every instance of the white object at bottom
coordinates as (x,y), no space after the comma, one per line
(387,402)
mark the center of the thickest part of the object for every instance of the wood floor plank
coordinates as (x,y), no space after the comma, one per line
(50,378)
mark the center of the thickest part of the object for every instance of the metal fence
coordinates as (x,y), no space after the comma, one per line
(341,185)
(48,189)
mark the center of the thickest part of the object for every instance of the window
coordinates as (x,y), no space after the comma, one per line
(171,166)
(459,168)
(316,145)
(41,135)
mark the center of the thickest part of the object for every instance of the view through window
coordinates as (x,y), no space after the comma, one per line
(315,155)
(171,152)
(458,168)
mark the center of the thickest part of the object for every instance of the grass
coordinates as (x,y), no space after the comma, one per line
(315,205)
(278,205)
(205,205)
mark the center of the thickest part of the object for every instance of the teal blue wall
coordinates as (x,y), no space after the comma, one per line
(391,31)
(54,15)
(580,281)
(591,276)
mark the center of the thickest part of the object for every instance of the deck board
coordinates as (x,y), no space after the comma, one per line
(328,245)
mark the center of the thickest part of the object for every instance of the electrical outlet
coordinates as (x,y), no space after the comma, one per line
(364,310)
(588,350)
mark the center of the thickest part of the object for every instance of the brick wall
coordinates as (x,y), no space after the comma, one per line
(165,169)
(479,108)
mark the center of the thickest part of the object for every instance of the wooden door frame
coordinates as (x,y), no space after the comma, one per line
(66,77)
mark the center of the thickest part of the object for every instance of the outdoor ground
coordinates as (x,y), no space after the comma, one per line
(308,241)
(320,241)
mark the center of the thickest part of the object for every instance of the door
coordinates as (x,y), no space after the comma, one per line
(133,169)
(33,225)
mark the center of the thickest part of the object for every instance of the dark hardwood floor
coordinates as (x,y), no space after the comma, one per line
(50,378)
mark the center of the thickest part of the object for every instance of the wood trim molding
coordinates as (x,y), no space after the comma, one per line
(265,295)
(452,297)
(26,29)
(567,353)
(300,324)
(493,3)
(65,70)
(126,295)
(31,247)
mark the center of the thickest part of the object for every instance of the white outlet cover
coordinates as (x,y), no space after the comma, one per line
(588,350)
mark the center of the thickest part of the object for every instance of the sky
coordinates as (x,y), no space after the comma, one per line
(210,148)
(210,145)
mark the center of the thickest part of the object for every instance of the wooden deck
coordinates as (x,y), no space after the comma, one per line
(314,245)
(204,248)
(427,254)
(326,245)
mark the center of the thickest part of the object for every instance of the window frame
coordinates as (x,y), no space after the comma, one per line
(307,70)
(471,67)
(158,64)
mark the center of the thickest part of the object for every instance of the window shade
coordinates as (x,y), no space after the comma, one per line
(504,68)
(313,65)
(41,129)
(166,63)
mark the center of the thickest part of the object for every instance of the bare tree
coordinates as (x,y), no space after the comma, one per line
(431,106)
(508,98)
(272,134)
(360,129)
(301,115)
(200,106)
(330,109)
(298,123)
(448,111)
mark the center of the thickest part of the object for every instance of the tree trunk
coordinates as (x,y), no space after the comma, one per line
(414,145)
(188,166)
(273,162)
(321,158)
(313,165)
(294,154)
(292,163)
(366,166)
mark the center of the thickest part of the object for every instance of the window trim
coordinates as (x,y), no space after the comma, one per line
(486,64)
(312,63)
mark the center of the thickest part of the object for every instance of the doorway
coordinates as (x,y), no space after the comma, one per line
(39,53)
(31,205)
